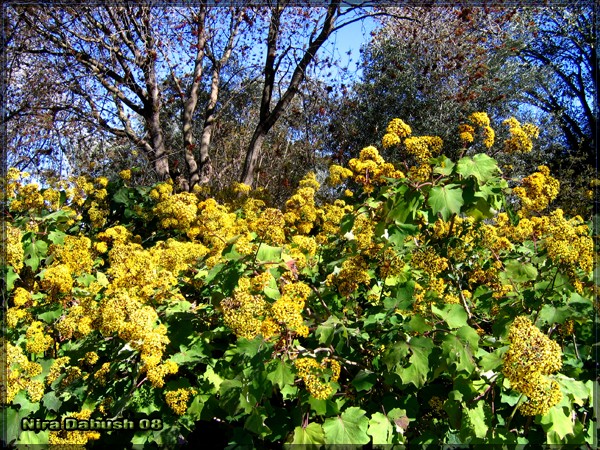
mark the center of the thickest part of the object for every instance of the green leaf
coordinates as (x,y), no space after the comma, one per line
(11,277)
(445,200)
(268,253)
(454,315)
(56,237)
(557,419)
(416,372)
(443,165)
(280,374)
(551,315)
(349,428)
(122,196)
(380,429)
(33,438)
(51,402)
(311,435)
(476,420)
(458,350)
(34,252)
(519,272)
(491,361)
(364,380)
(481,167)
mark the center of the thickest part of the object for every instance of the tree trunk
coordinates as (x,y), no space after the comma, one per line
(269,117)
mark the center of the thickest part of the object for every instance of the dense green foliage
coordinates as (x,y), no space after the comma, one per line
(429,304)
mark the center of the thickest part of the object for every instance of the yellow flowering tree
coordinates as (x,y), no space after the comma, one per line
(440,301)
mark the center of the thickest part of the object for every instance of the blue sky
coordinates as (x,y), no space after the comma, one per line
(350,38)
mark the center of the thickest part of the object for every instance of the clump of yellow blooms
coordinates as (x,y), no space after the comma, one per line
(57,279)
(14,248)
(37,340)
(337,174)
(313,374)
(396,130)
(18,374)
(531,357)
(537,191)
(370,169)
(301,211)
(156,374)
(521,136)
(429,262)
(71,438)
(480,120)
(354,272)
(178,399)
(125,174)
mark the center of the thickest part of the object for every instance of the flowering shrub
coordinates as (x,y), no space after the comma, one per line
(433,303)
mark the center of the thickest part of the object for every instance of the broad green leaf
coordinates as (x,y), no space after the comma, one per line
(458,352)
(34,252)
(578,391)
(454,315)
(11,277)
(481,167)
(364,380)
(380,429)
(552,315)
(33,438)
(443,165)
(280,374)
(102,280)
(476,420)
(268,253)
(491,361)
(445,200)
(557,419)
(51,402)
(416,372)
(311,435)
(349,428)
(519,272)
(56,237)
(256,424)
(122,196)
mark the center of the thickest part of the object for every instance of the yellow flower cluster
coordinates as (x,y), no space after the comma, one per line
(37,340)
(244,313)
(313,374)
(301,212)
(57,280)
(337,175)
(270,226)
(537,191)
(156,374)
(370,169)
(466,133)
(353,273)
(329,218)
(390,263)
(13,248)
(18,374)
(395,132)
(177,211)
(429,262)
(480,120)
(125,174)
(569,243)
(178,399)
(70,439)
(531,357)
(75,254)
(521,136)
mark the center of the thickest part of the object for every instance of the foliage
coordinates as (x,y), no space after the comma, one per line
(397,314)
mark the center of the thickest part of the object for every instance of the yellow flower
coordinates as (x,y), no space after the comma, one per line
(178,399)
(530,358)
(125,174)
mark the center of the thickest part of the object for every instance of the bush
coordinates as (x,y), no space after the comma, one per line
(430,303)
